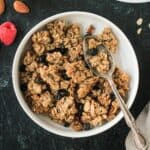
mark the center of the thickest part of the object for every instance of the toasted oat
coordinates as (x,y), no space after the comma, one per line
(100,62)
(93,112)
(64,110)
(139,30)
(109,40)
(139,21)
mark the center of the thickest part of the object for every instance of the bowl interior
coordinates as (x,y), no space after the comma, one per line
(125,59)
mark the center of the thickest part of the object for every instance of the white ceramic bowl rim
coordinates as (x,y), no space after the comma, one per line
(134,1)
(27,109)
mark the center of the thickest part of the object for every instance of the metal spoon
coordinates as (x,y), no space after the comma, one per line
(139,139)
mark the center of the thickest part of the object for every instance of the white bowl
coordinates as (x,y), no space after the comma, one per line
(126,59)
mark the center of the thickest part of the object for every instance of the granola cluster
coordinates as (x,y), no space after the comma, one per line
(99,60)
(56,81)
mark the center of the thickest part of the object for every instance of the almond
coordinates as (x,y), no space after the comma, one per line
(21,7)
(2,6)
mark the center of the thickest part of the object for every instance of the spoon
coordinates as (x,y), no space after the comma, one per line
(139,139)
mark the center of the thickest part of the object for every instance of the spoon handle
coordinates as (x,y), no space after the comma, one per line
(139,139)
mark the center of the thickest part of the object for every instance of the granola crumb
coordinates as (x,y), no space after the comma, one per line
(139,30)
(139,21)
(100,62)
(76,125)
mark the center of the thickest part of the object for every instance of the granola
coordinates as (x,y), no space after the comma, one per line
(56,81)
(100,61)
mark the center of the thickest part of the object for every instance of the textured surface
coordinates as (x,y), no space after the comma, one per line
(17,131)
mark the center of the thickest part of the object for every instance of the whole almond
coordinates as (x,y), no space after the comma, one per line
(2,6)
(21,7)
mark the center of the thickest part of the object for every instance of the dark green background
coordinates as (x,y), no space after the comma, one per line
(17,131)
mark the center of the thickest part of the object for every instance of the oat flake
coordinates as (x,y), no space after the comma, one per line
(139,21)
(139,31)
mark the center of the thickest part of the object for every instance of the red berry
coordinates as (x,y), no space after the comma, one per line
(8,33)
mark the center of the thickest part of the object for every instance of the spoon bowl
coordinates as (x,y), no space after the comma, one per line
(100,48)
